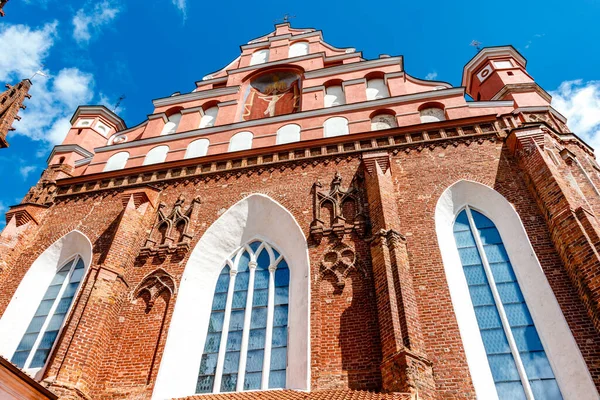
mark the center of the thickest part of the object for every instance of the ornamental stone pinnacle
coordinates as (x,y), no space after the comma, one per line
(11,101)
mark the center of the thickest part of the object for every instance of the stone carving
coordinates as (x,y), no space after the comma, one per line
(339,260)
(43,193)
(154,286)
(337,211)
(171,232)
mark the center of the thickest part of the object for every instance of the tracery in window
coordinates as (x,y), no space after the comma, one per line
(246,343)
(38,340)
(517,359)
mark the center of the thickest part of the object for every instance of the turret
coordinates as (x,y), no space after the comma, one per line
(499,73)
(91,127)
(11,101)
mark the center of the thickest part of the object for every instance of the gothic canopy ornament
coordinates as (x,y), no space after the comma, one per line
(337,211)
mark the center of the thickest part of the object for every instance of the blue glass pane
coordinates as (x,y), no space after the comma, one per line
(281,295)
(469,256)
(39,358)
(475,275)
(56,322)
(263,260)
(481,221)
(216,322)
(511,391)
(213,341)
(489,236)
(257,339)
(259,318)
(503,367)
(27,342)
(282,276)
(79,264)
(279,337)
(236,323)
(71,289)
(228,383)
(527,339)
(60,276)
(232,360)
(280,317)
(241,281)
(546,389)
(234,341)
(488,317)
(481,295)
(518,314)
(44,307)
(239,299)
(19,358)
(63,305)
(495,253)
(255,245)
(502,272)
(510,293)
(219,301)
(278,358)
(536,365)
(275,254)
(277,379)
(208,365)
(464,239)
(76,276)
(52,292)
(48,340)
(205,384)
(243,263)
(223,281)
(462,222)
(252,381)
(261,279)
(254,361)
(36,324)
(260,298)
(495,342)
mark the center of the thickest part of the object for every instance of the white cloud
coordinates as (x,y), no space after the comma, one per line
(89,21)
(431,76)
(181,6)
(26,170)
(580,102)
(72,87)
(23,49)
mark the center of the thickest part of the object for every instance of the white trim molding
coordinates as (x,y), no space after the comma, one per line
(569,367)
(254,217)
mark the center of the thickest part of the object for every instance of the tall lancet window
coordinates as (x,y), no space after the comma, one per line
(246,344)
(516,356)
(39,338)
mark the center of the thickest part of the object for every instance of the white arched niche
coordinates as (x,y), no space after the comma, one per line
(197,148)
(156,155)
(209,117)
(31,290)
(288,134)
(298,49)
(171,126)
(334,96)
(335,126)
(432,114)
(569,368)
(377,89)
(259,57)
(241,141)
(254,217)
(117,161)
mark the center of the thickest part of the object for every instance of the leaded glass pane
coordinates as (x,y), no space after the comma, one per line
(277,379)
(280,316)
(255,245)
(546,389)
(228,382)
(263,260)
(260,298)
(252,380)
(257,339)
(254,361)
(278,358)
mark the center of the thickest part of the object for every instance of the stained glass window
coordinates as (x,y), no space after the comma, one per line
(246,343)
(519,365)
(38,340)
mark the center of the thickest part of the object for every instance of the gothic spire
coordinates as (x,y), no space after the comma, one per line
(11,101)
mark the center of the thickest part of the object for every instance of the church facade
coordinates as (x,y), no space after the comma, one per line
(310,224)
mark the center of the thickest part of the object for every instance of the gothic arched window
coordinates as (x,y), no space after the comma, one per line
(518,362)
(37,342)
(246,343)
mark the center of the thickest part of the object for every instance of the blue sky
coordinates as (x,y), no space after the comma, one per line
(95,51)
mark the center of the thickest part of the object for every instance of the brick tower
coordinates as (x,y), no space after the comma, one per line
(2,4)
(310,224)
(11,101)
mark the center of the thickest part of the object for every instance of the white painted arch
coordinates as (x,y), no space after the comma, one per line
(255,217)
(32,288)
(569,367)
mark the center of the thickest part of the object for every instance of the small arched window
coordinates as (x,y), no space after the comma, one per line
(377,89)
(515,353)
(197,148)
(259,57)
(335,126)
(241,141)
(172,124)
(117,161)
(334,96)
(246,343)
(298,49)
(288,134)
(37,342)
(432,114)
(156,155)
(383,121)
(209,117)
